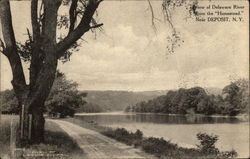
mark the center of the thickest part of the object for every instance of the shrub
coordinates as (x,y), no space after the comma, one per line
(165,149)
(157,146)
(138,134)
(124,136)
(228,154)
(207,143)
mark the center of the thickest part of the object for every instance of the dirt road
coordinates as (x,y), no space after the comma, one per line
(96,145)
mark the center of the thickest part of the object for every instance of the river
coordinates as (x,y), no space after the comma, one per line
(233,132)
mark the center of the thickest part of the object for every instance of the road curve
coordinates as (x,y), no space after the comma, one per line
(96,145)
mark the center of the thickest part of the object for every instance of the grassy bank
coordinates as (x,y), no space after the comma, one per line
(5,125)
(158,146)
(57,143)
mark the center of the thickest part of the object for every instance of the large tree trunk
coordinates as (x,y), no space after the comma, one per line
(42,73)
(38,122)
(34,102)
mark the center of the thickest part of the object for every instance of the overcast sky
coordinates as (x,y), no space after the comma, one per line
(128,55)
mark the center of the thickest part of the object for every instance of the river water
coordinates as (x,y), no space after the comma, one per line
(233,132)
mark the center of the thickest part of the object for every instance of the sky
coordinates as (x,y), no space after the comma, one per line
(130,55)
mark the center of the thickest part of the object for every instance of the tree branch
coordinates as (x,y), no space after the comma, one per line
(18,81)
(72,15)
(81,29)
(42,47)
(40,13)
(36,60)
(3,47)
(34,20)
(152,15)
(29,35)
(96,26)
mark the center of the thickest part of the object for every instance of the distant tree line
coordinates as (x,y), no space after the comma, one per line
(233,101)
(64,100)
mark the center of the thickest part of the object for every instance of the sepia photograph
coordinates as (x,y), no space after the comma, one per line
(124,79)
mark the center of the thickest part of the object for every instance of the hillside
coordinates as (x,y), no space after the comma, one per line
(233,101)
(119,100)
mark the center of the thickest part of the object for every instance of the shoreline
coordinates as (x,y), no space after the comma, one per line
(101,129)
(244,117)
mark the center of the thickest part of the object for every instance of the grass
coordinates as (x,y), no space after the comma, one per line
(5,133)
(56,140)
(57,143)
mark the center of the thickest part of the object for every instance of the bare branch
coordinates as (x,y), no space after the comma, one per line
(81,29)
(40,13)
(29,35)
(96,26)
(72,15)
(152,15)
(168,17)
(3,47)
(2,43)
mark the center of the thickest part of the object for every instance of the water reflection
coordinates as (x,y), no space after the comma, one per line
(156,118)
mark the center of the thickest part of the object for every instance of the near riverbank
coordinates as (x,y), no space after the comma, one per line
(158,146)
(74,139)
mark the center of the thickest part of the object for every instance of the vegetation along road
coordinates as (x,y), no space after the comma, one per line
(96,145)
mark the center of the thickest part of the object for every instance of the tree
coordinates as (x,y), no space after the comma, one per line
(9,102)
(89,108)
(64,98)
(207,143)
(236,97)
(44,51)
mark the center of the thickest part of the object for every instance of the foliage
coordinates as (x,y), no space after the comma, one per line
(89,108)
(207,146)
(168,8)
(179,102)
(124,136)
(207,143)
(233,100)
(64,97)
(228,154)
(9,102)
(236,97)
(157,146)
(165,149)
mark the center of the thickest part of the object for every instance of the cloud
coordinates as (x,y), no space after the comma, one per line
(129,56)
(129,61)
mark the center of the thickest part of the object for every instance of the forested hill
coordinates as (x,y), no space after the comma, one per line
(119,100)
(233,99)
